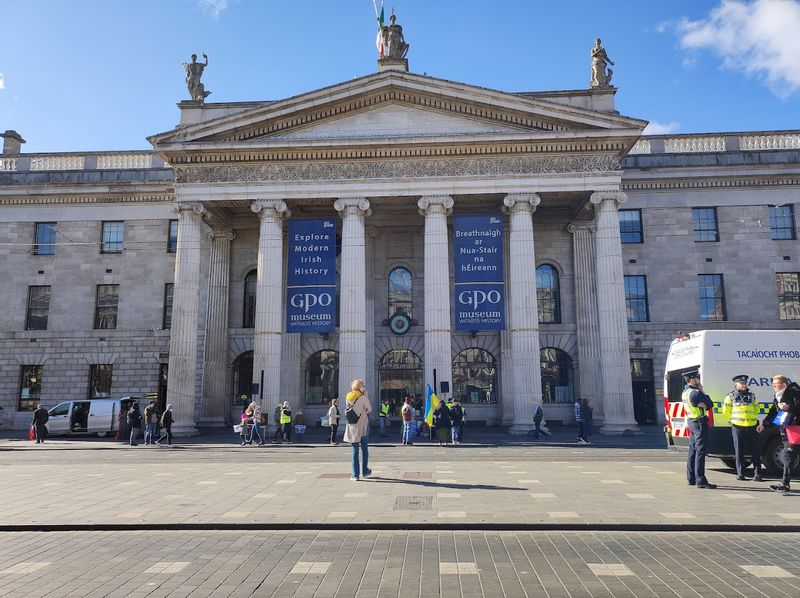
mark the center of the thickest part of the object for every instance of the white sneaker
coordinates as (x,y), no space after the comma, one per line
(353,479)
(582,441)
(586,442)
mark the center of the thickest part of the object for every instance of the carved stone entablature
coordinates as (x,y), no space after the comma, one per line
(521,202)
(395,169)
(272,208)
(435,204)
(183,206)
(352,205)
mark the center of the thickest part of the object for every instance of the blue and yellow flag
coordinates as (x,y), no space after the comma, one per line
(431,401)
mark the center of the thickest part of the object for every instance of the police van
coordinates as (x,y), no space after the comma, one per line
(720,355)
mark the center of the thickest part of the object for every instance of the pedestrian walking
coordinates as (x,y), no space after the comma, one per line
(276,417)
(357,411)
(586,419)
(123,430)
(463,421)
(741,408)
(383,416)
(333,421)
(167,419)
(286,421)
(538,416)
(135,422)
(39,423)
(150,423)
(255,427)
(697,404)
(579,421)
(786,409)
(442,423)
(455,420)
(409,425)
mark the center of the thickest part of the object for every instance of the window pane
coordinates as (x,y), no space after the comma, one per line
(44,238)
(475,376)
(704,224)
(30,387)
(630,226)
(636,298)
(400,292)
(38,308)
(781,222)
(100,380)
(712,297)
(789,295)
(106,309)
(113,236)
(166,318)
(250,283)
(322,377)
(172,239)
(556,367)
(548,294)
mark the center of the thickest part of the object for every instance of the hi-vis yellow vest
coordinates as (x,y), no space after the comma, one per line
(692,412)
(384,410)
(742,410)
(286,416)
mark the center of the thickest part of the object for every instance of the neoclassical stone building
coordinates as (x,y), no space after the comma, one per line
(167,271)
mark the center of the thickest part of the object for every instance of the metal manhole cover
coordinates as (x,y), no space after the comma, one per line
(336,475)
(413,503)
(418,475)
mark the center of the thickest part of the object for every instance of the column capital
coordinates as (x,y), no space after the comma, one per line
(226,234)
(600,196)
(347,206)
(435,204)
(276,208)
(185,206)
(521,202)
(581,226)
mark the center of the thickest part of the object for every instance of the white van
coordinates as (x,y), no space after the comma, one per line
(91,416)
(720,355)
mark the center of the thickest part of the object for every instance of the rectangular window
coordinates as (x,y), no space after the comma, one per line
(166,317)
(630,226)
(30,387)
(781,222)
(789,295)
(636,298)
(100,380)
(113,237)
(105,313)
(712,297)
(38,308)
(172,238)
(44,238)
(704,224)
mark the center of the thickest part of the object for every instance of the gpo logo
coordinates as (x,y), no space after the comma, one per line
(306,301)
(474,299)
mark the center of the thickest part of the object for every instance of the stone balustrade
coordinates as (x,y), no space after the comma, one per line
(7,164)
(124,161)
(640,147)
(778,141)
(81,161)
(690,144)
(57,162)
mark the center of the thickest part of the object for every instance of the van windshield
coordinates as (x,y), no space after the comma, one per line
(675,383)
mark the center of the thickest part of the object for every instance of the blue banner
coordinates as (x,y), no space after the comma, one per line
(311,276)
(479,282)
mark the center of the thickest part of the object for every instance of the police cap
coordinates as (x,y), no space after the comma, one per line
(691,374)
(741,378)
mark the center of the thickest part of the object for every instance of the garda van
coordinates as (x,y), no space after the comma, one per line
(91,416)
(720,355)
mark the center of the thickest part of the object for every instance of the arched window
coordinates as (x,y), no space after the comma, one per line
(475,376)
(242,377)
(322,377)
(548,294)
(556,376)
(400,292)
(250,284)
(400,375)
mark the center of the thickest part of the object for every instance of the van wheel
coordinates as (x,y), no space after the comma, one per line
(103,434)
(772,455)
(730,462)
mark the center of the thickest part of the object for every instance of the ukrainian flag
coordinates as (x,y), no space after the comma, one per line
(431,401)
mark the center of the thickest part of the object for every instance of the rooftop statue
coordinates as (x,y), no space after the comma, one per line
(393,40)
(601,74)
(194,71)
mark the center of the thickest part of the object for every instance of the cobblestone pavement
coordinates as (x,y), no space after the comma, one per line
(383,564)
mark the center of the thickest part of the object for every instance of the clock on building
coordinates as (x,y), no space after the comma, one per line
(399,323)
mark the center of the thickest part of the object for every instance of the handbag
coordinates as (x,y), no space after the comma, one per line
(793,434)
(32,434)
(237,428)
(350,415)
(325,422)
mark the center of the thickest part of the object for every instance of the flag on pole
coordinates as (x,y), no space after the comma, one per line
(431,401)
(379,38)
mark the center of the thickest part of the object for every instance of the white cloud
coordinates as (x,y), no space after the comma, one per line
(758,38)
(213,7)
(2,81)
(657,128)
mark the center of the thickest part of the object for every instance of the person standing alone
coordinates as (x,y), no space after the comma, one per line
(40,417)
(407,414)
(741,408)
(357,412)
(333,420)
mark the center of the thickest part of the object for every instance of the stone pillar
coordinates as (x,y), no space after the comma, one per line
(524,315)
(268,332)
(181,383)
(588,328)
(438,352)
(352,295)
(615,364)
(215,370)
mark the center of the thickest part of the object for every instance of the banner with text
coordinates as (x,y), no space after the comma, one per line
(479,286)
(311,276)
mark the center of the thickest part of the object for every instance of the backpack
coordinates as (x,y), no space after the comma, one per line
(407,415)
(350,415)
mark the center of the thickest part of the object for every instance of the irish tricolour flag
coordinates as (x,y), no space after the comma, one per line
(379,38)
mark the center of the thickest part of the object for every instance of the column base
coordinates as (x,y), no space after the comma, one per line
(520,429)
(619,428)
(216,421)
(185,430)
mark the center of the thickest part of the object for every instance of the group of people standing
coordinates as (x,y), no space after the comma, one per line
(131,421)
(253,418)
(448,422)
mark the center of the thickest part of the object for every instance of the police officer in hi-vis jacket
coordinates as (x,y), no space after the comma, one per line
(741,408)
(697,405)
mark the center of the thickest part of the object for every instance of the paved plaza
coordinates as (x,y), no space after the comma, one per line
(496,517)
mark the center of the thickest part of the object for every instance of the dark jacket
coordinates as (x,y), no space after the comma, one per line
(135,417)
(166,419)
(792,396)
(441,417)
(456,415)
(40,416)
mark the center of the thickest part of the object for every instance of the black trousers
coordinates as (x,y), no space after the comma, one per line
(787,455)
(41,432)
(287,432)
(334,431)
(745,443)
(167,434)
(698,448)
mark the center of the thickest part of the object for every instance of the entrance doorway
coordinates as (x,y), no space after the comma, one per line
(400,374)
(242,379)
(644,391)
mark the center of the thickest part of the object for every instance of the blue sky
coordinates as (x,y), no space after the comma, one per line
(102,75)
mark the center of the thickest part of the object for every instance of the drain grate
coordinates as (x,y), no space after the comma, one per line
(418,475)
(336,475)
(413,503)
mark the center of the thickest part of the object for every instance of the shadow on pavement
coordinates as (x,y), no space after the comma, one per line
(453,485)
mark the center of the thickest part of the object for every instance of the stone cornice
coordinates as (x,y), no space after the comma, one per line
(23,200)
(396,168)
(709,183)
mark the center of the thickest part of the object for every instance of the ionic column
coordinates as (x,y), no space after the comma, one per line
(437,288)
(588,328)
(524,315)
(352,294)
(181,383)
(613,325)
(269,303)
(215,369)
